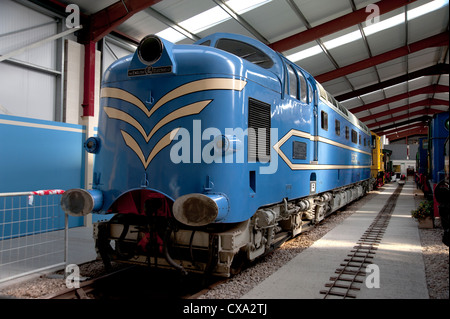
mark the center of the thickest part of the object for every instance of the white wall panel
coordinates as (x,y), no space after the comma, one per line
(112,52)
(23,91)
(16,17)
(26,93)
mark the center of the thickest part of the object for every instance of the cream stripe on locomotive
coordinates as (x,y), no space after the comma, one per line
(191,87)
(200,85)
(191,109)
(277,148)
(131,143)
(187,110)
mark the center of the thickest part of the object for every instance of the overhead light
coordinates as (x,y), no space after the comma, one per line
(371,29)
(210,18)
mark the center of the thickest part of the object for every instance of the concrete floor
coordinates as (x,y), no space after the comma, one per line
(399,257)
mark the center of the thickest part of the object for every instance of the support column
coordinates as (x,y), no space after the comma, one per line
(89,79)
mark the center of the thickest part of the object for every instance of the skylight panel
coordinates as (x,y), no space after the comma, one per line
(305,53)
(210,18)
(426,8)
(241,7)
(205,20)
(383,25)
(372,29)
(349,37)
(171,35)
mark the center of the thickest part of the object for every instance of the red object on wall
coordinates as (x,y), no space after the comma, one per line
(89,79)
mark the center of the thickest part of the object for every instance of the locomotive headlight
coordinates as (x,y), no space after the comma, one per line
(150,49)
(92,145)
(200,209)
(80,202)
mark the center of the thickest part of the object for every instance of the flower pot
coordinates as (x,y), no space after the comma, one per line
(426,223)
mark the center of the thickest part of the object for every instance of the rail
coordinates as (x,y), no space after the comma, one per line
(349,277)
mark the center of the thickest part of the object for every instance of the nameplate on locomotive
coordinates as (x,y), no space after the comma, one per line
(150,70)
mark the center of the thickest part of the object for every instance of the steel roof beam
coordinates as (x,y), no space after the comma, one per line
(440,68)
(106,20)
(424,119)
(157,15)
(417,131)
(401,117)
(434,41)
(425,90)
(319,42)
(426,102)
(241,21)
(404,128)
(335,25)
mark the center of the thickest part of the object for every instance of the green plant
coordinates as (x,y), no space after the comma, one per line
(424,210)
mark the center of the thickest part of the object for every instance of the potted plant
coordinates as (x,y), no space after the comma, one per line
(424,214)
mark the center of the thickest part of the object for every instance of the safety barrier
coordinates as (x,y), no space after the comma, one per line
(33,233)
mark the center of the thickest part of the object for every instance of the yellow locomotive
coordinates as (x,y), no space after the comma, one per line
(377,167)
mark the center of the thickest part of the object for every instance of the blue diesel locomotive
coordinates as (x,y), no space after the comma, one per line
(214,153)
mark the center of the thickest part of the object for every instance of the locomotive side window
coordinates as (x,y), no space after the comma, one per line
(354,137)
(337,127)
(322,92)
(303,87)
(246,52)
(310,91)
(292,82)
(347,134)
(324,120)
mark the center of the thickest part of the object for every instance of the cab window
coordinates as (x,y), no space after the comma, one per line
(245,51)
(292,82)
(303,87)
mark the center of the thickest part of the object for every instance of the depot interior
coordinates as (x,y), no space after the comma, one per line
(389,60)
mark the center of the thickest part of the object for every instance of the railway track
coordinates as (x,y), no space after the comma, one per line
(350,274)
(87,287)
(136,282)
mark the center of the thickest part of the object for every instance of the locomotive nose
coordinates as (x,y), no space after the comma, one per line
(200,209)
(80,202)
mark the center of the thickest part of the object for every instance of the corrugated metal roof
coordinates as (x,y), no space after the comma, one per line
(276,20)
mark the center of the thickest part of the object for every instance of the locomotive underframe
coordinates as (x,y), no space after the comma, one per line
(220,249)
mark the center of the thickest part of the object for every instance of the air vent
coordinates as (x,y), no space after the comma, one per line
(258,131)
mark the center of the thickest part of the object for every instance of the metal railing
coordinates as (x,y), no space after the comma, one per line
(33,233)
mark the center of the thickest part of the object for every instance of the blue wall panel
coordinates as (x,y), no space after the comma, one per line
(37,154)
